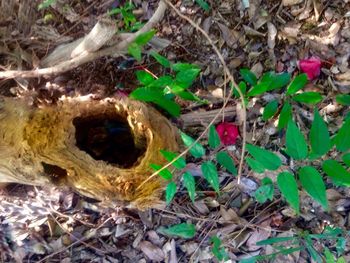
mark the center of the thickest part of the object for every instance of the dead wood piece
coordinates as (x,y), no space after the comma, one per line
(88,56)
(205,117)
(102,149)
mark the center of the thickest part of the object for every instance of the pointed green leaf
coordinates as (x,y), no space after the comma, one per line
(343,99)
(170,192)
(308,97)
(214,139)
(217,250)
(160,59)
(183,66)
(165,173)
(342,139)
(203,4)
(149,94)
(346,159)
(255,165)
(161,82)
(285,116)
(197,150)
(269,81)
(267,159)
(181,230)
(312,182)
(190,184)
(248,76)
(135,51)
(270,110)
(242,86)
(289,189)
(295,142)
(143,38)
(319,136)
(225,160)
(211,175)
(170,156)
(337,172)
(185,78)
(297,83)
(144,77)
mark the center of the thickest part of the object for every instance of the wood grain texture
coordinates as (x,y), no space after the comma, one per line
(36,141)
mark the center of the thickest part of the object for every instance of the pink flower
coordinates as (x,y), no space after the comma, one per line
(311,66)
(228,133)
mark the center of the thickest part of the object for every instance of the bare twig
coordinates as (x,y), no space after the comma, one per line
(77,61)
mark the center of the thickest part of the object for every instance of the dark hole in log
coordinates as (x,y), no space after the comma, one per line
(107,138)
(56,173)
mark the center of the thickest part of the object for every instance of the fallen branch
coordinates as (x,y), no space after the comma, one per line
(87,57)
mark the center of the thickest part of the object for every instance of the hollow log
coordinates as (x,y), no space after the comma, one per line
(100,148)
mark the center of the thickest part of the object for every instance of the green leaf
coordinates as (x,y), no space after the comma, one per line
(265,191)
(181,230)
(225,160)
(135,51)
(214,139)
(342,139)
(274,240)
(319,136)
(308,97)
(218,251)
(45,4)
(297,83)
(185,78)
(162,82)
(346,159)
(190,184)
(269,81)
(255,165)
(295,142)
(312,182)
(170,192)
(289,189)
(180,163)
(285,116)
(203,4)
(160,59)
(270,110)
(183,66)
(149,94)
(165,173)
(267,159)
(242,86)
(143,38)
(211,175)
(197,150)
(186,95)
(328,256)
(337,172)
(343,99)
(144,77)
(248,76)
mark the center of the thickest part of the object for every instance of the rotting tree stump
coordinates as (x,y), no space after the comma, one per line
(100,148)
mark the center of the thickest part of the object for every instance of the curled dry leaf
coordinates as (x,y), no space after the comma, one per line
(151,251)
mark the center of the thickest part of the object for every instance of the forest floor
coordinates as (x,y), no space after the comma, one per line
(45,224)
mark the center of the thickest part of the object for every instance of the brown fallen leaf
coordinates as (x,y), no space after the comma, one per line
(152,251)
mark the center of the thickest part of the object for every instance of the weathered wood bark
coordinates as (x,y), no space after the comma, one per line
(102,149)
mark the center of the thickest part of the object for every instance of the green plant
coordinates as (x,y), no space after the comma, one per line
(130,23)
(305,241)
(45,4)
